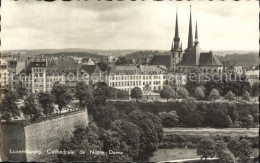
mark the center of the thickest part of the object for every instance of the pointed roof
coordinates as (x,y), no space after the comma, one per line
(195,57)
(196,35)
(190,37)
(176,27)
(161,60)
(209,59)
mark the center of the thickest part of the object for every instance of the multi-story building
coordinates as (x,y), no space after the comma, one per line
(38,76)
(147,77)
(252,76)
(4,74)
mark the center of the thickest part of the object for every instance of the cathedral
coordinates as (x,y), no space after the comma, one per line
(192,56)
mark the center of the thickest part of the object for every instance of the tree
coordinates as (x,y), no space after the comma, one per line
(21,91)
(240,148)
(84,93)
(182,93)
(62,97)
(151,132)
(123,136)
(84,139)
(214,95)
(255,90)
(206,148)
(199,93)
(105,115)
(230,96)
(246,96)
(167,92)
(9,108)
(31,109)
(46,101)
(169,119)
(136,93)
(223,153)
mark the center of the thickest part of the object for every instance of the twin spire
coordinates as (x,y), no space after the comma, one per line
(190,36)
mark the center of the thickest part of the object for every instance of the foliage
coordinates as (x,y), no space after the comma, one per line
(246,96)
(214,94)
(46,101)
(223,153)
(84,93)
(167,92)
(206,148)
(255,90)
(151,131)
(182,93)
(123,136)
(230,96)
(240,148)
(199,93)
(61,95)
(31,109)
(20,90)
(84,139)
(9,108)
(136,93)
(169,119)
(105,115)
(100,97)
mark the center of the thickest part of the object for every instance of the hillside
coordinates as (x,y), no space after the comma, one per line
(78,54)
(246,59)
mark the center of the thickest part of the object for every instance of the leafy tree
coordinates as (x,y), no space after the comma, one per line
(84,93)
(123,136)
(136,93)
(167,92)
(100,97)
(246,96)
(46,101)
(255,90)
(230,96)
(199,93)
(84,139)
(206,148)
(223,153)
(31,109)
(62,97)
(9,108)
(214,95)
(182,93)
(121,61)
(241,149)
(105,115)
(217,115)
(20,90)
(151,131)
(232,111)
(169,119)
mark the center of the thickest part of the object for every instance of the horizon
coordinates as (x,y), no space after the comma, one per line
(223,26)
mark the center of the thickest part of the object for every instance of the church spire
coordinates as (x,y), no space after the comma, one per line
(176,39)
(196,42)
(190,37)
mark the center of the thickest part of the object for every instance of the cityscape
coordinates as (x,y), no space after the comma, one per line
(183,104)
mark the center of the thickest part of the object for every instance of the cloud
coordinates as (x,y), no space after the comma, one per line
(127,25)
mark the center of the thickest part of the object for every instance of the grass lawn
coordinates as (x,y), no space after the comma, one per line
(173,154)
(181,153)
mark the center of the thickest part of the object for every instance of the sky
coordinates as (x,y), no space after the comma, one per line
(93,24)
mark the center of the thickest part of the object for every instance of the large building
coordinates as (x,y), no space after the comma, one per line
(192,57)
(147,77)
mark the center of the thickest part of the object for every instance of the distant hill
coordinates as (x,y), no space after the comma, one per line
(246,59)
(78,54)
